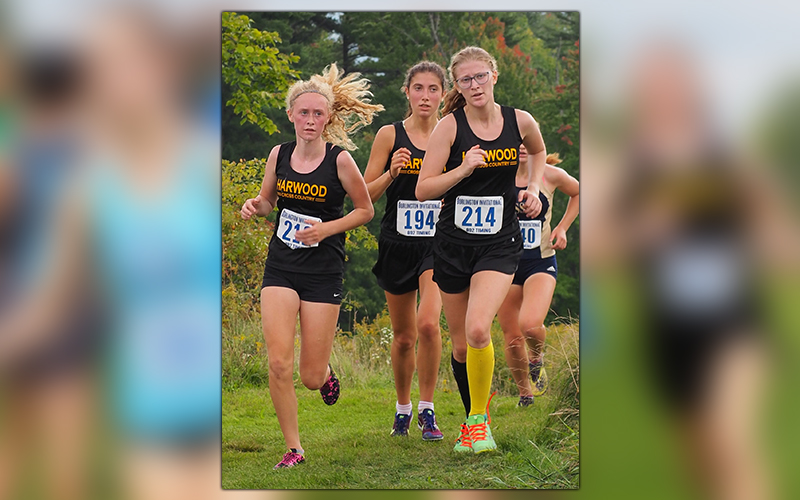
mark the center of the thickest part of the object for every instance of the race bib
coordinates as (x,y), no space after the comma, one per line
(417,218)
(531,233)
(479,214)
(291,222)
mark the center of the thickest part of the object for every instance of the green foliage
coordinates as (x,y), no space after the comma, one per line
(539,72)
(364,354)
(256,71)
(243,361)
(244,242)
(538,55)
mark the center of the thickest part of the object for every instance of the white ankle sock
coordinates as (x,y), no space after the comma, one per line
(424,405)
(404,409)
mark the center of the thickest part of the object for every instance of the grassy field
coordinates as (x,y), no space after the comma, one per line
(348,445)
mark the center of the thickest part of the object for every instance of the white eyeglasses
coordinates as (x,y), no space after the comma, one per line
(465,82)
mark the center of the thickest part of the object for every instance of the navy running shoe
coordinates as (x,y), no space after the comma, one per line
(426,421)
(401,423)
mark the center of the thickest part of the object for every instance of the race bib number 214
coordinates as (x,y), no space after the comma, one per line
(291,222)
(479,214)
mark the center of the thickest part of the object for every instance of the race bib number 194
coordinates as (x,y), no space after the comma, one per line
(417,218)
(291,222)
(479,214)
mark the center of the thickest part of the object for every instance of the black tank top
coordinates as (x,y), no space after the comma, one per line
(402,188)
(481,216)
(317,194)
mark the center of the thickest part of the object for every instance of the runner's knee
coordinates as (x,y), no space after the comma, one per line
(532,329)
(280,369)
(405,339)
(514,340)
(478,335)
(428,329)
(313,379)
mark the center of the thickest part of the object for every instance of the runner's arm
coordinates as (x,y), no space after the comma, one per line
(559,178)
(433,182)
(356,188)
(377,180)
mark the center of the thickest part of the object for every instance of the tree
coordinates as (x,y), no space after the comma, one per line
(538,55)
(256,71)
(257,76)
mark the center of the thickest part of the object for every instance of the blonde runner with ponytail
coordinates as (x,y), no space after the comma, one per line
(348,103)
(454,99)
(307,180)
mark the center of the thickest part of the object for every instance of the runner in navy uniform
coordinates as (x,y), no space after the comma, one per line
(472,160)
(405,247)
(307,180)
(523,313)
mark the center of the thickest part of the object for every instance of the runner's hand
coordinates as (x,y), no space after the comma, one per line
(311,235)
(560,237)
(531,204)
(251,207)
(400,158)
(474,158)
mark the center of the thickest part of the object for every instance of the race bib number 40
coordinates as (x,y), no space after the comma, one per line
(531,233)
(479,214)
(417,218)
(291,222)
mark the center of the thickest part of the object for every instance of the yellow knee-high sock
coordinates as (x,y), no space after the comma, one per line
(480,367)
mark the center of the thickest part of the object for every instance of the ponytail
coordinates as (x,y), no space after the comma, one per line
(453,100)
(553,159)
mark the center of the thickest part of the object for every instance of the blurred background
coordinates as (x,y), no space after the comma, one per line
(110,270)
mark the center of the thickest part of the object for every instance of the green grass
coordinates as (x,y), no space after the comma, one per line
(348,445)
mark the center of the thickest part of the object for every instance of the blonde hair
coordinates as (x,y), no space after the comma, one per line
(553,159)
(424,67)
(348,103)
(454,99)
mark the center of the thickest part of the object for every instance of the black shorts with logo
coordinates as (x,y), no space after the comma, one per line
(529,267)
(400,264)
(311,287)
(454,264)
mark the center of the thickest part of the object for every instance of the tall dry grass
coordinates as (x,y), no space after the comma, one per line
(363,358)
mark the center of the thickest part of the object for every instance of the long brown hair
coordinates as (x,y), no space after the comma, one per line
(454,99)
(423,67)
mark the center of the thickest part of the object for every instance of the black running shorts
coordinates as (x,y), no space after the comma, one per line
(325,288)
(400,264)
(454,264)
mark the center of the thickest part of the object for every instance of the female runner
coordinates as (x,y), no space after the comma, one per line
(307,180)
(523,312)
(472,160)
(405,246)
